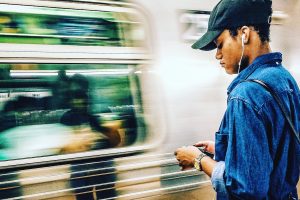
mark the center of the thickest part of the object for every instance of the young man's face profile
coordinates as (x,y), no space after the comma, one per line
(229,52)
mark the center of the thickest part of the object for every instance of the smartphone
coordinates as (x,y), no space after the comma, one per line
(205,152)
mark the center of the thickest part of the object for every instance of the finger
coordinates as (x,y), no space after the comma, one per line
(186,168)
(184,163)
(200,144)
(204,143)
(181,163)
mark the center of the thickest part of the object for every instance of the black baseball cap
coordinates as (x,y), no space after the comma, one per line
(232,14)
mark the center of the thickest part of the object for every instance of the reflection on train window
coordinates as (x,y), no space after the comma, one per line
(70,108)
(34,25)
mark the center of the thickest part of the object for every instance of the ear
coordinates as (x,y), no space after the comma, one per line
(245,34)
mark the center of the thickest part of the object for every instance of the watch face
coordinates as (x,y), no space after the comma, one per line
(196,164)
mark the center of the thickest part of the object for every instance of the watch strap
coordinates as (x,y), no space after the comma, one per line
(198,159)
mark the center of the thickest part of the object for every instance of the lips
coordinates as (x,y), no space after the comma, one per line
(222,64)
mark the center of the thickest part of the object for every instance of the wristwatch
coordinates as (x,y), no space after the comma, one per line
(197,161)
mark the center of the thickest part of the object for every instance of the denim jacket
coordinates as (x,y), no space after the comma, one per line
(257,155)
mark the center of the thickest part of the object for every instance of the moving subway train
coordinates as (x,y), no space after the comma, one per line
(96,95)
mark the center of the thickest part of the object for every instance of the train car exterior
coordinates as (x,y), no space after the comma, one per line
(96,95)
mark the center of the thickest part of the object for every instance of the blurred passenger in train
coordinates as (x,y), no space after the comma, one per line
(60,97)
(31,121)
(88,135)
(256,154)
(83,122)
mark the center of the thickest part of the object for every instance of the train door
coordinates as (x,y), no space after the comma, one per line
(74,98)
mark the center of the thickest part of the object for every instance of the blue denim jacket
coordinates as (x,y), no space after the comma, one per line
(258,157)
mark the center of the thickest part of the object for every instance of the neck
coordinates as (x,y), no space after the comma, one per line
(259,51)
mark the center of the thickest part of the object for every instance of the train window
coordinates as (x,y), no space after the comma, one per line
(193,24)
(54,109)
(59,26)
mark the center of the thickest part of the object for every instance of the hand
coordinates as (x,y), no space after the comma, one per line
(81,140)
(209,146)
(186,156)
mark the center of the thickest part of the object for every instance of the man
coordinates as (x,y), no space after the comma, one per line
(256,154)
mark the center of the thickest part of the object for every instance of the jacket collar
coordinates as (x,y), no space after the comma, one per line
(257,63)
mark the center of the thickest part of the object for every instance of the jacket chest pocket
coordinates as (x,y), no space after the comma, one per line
(221,144)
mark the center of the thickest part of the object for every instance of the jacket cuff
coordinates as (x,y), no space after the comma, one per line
(217,180)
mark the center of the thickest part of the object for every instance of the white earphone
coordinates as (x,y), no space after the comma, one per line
(243,45)
(243,39)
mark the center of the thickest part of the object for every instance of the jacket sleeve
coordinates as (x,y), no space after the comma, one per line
(217,181)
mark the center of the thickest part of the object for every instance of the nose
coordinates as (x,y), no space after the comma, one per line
(218,54)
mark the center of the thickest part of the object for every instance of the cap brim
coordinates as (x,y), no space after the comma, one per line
(206,42)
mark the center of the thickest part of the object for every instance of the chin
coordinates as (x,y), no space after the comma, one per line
(230,72)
